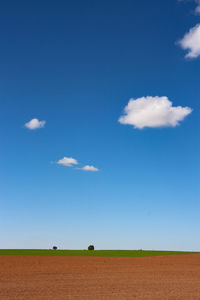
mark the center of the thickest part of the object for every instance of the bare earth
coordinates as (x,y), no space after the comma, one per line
(174,277)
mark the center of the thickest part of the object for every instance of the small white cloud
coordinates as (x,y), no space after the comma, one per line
(197,9)
(67,161)
(89,168)
(153,112)
(71,162)
(191,42)
(35,124)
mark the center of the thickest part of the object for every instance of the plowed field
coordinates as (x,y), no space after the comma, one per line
(174,277)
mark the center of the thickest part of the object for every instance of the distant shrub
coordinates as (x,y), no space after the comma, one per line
(91,247)
(55,248)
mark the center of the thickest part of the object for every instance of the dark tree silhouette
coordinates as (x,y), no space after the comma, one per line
(91,247)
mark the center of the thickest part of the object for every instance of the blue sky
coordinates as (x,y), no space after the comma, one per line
(76,65)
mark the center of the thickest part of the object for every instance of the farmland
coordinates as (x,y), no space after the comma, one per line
(104,253)
(44,277)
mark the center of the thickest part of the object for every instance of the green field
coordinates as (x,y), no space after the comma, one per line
(105,253)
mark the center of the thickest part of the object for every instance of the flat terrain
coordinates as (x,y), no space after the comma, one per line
(106,253)
(174,277)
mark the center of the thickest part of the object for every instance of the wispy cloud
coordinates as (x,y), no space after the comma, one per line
(67,161)
(35,124)
(89,168)
(197,9)
(191,42)
(153,112)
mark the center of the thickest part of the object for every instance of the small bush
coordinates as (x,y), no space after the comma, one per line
(55,248)
(91,247)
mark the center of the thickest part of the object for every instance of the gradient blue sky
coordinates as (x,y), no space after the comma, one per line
(76,64)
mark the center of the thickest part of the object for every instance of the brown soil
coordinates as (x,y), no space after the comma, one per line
(174,277)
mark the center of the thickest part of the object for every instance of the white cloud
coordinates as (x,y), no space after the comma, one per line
(35,124)
(67,161)
(71,162)
(89,168)
(197,9)
(191,42)
(153,112)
